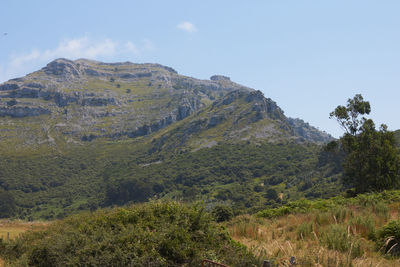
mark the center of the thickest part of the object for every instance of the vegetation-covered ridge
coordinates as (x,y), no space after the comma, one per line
(244,176)
(151,234)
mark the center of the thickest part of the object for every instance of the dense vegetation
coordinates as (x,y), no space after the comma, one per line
(245,176)
(152,234)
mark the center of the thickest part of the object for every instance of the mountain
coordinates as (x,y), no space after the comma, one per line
(78,135)
(82,100)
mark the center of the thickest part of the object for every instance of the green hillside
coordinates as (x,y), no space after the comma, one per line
(243,175)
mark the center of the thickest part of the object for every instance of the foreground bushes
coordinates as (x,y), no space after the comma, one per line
(377,201)
(152,234)
(389,238)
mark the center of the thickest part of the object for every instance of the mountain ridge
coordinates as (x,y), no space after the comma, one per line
(82,100)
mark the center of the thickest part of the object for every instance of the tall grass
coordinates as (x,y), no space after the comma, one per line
(334,232)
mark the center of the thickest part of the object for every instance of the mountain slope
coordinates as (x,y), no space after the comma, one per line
(238,116)
(81,100)
(74,101)
(78,135)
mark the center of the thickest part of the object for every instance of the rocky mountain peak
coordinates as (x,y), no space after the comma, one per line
(219,78)
(62,67)
(263,107)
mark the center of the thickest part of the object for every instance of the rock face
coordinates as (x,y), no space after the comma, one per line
(20,112)
(219,78)
(84,100)
(237,116)
(309,132)
(62,67)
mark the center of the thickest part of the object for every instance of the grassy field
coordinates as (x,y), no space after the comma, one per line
(343,236)
(12,229)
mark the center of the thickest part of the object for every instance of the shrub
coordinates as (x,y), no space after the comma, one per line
(7,204)
(222,213)
(389,238)
(152,234)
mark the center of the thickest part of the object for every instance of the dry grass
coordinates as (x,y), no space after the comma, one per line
(12,229)
(307,237)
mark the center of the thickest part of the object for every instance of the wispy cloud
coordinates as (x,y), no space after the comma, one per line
(84,47)
(187,27)
(132,48)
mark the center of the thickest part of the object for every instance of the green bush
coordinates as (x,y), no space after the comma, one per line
(7,204)
(222,213)
(152,234)
(299,206)
(337,206)
(389,238)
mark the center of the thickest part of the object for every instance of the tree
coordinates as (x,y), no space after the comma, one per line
(271,194)
(372,161)
(347,117)
(7,204)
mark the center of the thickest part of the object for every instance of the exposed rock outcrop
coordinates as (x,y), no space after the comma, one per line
(20,112)
(62,67)
(8,86)
(219,78)
(309,132)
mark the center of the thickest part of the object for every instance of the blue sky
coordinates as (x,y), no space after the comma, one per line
(308,56)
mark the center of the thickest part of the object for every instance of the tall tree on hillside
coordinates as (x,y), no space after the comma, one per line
(372,161)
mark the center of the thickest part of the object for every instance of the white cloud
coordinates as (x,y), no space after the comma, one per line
(83,47)
(71,49)
(148,45)
(129,46)
(187,27)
